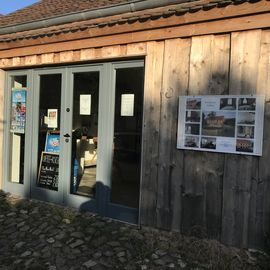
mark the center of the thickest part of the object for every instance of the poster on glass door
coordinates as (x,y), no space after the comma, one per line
(18,111)
(228,124)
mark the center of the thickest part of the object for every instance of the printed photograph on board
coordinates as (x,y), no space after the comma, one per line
(244,145)
(193,129)
(228,104)
(247,104)
(193,116)
(192,141)
(221,123)
(193,104)
(208,143)
(245,132)
(247,118)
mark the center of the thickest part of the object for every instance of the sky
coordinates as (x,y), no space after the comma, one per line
(8,6)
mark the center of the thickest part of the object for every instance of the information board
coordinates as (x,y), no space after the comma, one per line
(48,171)
(228,124)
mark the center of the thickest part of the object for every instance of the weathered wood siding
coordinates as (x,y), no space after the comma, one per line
(221,196)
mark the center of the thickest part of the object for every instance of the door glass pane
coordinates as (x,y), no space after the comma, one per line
(49,131)
(125,183)
(84,133)
(17,129)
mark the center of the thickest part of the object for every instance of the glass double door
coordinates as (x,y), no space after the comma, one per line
(85,138)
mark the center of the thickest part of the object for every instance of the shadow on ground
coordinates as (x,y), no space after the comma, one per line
(38,235)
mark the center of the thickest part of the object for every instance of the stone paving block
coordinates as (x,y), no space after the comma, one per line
(89,264)
(77,243)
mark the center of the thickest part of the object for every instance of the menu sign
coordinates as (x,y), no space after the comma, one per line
(229,124)
(48,171)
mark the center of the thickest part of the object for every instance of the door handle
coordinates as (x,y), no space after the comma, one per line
(67,135)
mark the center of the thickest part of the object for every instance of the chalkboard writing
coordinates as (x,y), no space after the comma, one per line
(48,171)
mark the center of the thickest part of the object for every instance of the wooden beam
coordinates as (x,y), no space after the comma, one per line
(170,163)
(214,27)
(218,13)
(202,197)
(240,171)
(260,205)
(151,124)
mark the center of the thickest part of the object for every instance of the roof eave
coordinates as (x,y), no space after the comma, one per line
(137,5)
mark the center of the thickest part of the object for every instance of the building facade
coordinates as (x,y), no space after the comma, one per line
(89,109)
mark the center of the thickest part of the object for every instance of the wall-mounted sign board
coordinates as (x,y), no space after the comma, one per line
(228,124)
(48,171)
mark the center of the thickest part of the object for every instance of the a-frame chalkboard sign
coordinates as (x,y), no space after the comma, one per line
(48,171)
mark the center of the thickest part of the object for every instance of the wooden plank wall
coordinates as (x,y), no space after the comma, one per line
(221,196)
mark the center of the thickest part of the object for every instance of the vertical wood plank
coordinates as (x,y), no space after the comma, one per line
(98,53)
(123,50)
(47,58)
(260,215)
(177,159)
(175,82)
(2,87)
(136,49)
(111,51)
(87,54)
(66,56)
(56,57)
(150,153)
(240,170)
(31,60)
(5,62)
(16,61)
(202,197)
(76,56)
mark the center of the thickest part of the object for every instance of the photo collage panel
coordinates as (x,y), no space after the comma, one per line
(223,124)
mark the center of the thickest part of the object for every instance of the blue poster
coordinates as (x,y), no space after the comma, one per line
(52,143)
(18,113)
(19,95)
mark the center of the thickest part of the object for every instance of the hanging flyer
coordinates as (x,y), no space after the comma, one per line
(52,118)
(85,104)
(18,112)
(127,104)
(227,124)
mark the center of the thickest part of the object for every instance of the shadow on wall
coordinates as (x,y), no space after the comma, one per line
(101,204)
(214,195)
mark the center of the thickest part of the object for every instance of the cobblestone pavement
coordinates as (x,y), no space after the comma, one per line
(38,235)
